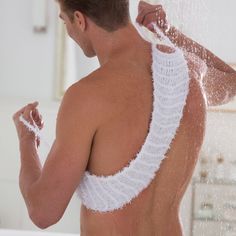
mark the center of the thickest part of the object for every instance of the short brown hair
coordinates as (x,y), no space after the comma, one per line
(108,14)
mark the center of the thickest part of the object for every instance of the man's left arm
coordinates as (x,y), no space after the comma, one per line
(48,190)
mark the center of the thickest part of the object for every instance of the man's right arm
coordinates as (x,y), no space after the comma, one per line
(219,82)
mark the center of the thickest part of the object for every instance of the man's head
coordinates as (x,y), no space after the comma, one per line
(108,14)
(80,15)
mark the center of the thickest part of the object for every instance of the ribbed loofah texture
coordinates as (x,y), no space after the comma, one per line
(170,90)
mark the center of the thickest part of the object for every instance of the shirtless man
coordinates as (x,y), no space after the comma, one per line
(99,116)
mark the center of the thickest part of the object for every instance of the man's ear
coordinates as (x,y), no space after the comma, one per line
(80,20)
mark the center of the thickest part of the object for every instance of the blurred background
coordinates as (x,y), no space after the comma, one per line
(38,62)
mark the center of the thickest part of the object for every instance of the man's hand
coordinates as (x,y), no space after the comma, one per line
(31,114)
(148,13)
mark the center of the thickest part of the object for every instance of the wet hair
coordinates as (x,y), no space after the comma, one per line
(107,14)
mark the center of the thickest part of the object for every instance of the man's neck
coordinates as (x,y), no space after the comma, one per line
(110,45)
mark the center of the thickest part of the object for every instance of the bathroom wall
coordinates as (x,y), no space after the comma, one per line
(220,137)
(27,58)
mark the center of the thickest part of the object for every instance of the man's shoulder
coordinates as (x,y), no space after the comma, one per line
(85,97)
(91,87)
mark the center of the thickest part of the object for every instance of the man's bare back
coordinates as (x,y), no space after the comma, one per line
(125,89)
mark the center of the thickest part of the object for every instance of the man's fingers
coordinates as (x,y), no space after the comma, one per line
(143,4)
(143,9)
(151,13)
(151,27)
(17,114)
(25,111)
(37,117)
(140,16)
(30,107)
